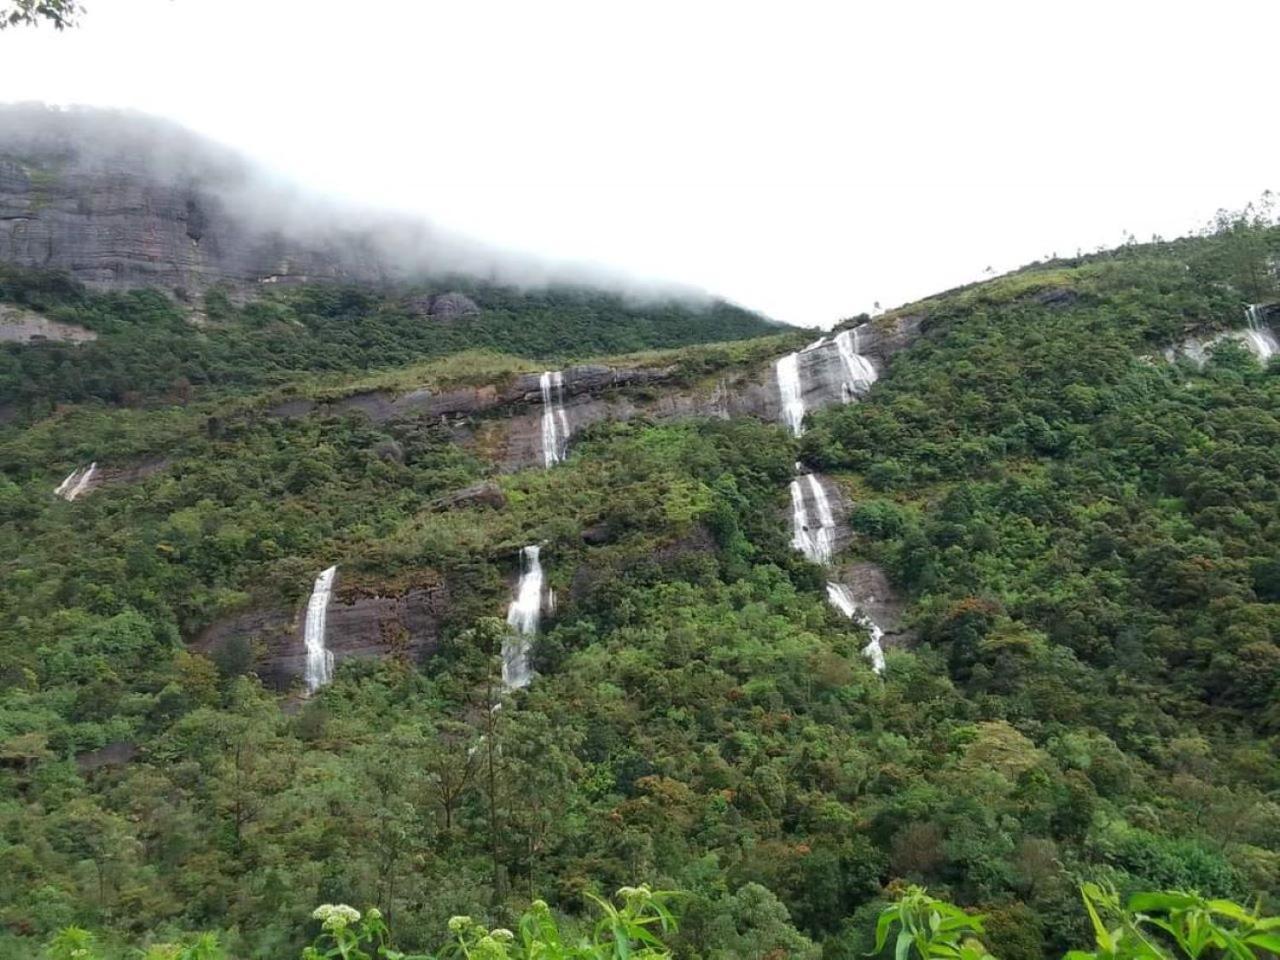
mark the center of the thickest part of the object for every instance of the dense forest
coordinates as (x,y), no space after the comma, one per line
(148,348)
(1084,534)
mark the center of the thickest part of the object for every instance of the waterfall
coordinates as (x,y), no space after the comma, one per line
(842,599)
(859,373)
(813,532)
(319,670)
(555,423)
(1258,336)
(791,392)
(76,483)
(61,489)
(856,374)
(523,616)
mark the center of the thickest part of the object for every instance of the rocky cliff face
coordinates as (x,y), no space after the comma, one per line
(361,622)
(119,200)
(508,425)
(869,586)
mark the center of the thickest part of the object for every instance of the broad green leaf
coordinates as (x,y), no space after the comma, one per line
(883,924)
(1267,941)
(1147,902)
(903,947)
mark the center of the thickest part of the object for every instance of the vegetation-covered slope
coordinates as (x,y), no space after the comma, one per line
(1086,539)
(148,347)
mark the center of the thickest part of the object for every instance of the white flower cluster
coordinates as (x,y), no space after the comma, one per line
(641,893)
(336,916)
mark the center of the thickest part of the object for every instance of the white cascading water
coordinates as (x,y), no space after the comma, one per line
(523,616)
(61,489)
(791,392)
(319,668)
(1258,336)
(840,598)
(813,531)
(859,372)
(857,375)
(555,423)
(77,482)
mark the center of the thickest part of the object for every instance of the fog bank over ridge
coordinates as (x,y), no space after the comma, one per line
(157,203)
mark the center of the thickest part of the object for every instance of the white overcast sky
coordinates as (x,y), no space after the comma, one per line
(803,159)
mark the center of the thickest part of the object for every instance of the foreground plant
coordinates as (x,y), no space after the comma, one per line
(1174,924)
(1171,925)
(933,927)
(345,933)
(623,932)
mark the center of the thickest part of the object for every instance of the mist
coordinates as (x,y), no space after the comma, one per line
(261,205)
(807,163)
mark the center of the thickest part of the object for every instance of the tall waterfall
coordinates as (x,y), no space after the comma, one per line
(523,616)
(555,423)
(839,597)
(791,392)
(319,670)
(77,482)
(853,375)
(813,530)
(1258,336)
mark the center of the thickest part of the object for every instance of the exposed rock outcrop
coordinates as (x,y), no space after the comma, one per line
(119,200)
(884,336)
(86,479)
(25,326)
(1258,337)
(365,624)
(483,494)
(593,393)
(444,307)
(114,754)
(869,587)
(360,623)
(453,306)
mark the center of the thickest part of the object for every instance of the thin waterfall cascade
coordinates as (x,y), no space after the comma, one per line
(77,482)
(840,597)
(523,616)
(831,368)
(319,668)
(860,374)
(1259,337)
(791,392)
(813,531)
(813,524)
(555,422)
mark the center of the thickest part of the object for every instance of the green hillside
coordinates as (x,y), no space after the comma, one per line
(1084,536)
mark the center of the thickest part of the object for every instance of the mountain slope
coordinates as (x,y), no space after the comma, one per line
(1082,536)
(118,200)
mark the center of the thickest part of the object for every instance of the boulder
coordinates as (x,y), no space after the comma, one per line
(453,306)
